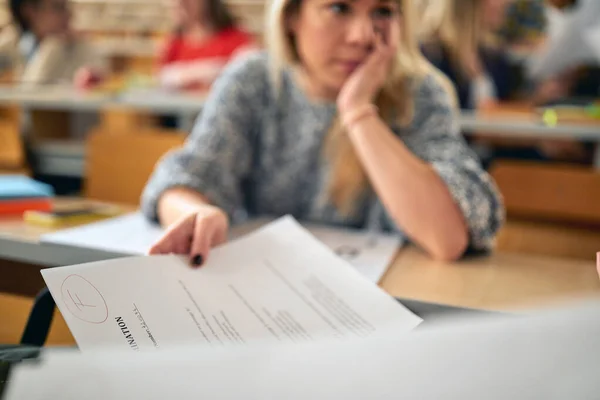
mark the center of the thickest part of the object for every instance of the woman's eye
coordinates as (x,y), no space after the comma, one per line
(383,12)
(339,8)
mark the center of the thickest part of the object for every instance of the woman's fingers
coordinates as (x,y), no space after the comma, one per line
(220,236)
(200,246)
(183,244)
(393,35)
(162,246)
(194,235)
(176,239)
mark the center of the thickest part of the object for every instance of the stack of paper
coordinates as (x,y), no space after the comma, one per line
(133,235)
(277,284)
(19,193)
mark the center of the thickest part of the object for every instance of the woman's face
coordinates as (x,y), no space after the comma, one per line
(188,12)
(333,37)
(49,17)
(494,13)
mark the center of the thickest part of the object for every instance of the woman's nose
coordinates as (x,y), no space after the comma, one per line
(361,31)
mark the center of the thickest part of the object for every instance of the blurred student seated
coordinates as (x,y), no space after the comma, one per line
(532,30)
(567,53)
(457,36)
(525,26)
(530,27)
(206,39)
(41,48)
(464,39)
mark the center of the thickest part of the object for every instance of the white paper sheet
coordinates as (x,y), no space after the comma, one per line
(369,254)
(551,355)
(129,234)
(277,284)
(132,234)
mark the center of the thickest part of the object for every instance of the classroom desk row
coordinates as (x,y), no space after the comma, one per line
(497,281)
(67,158)
(61,98)
(502,121)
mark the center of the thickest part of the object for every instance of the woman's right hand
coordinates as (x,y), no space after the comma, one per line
(194,234)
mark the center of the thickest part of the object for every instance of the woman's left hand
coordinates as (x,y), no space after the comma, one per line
(364,83)
(87,78)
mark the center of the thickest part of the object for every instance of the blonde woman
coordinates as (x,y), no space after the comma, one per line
(341,122)
(457,37)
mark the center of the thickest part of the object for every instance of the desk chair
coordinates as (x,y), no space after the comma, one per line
(553,209)
(117,174)
(12,151)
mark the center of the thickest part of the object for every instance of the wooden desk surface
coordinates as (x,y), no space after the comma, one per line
(496,282)
(20,242)
(519,111)
(65,98)
(514,120)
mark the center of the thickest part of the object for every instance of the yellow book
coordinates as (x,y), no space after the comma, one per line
(70,217)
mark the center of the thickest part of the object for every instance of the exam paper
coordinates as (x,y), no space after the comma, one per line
(277,284)
(132,234)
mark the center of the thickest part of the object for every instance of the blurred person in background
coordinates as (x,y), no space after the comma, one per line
(478,44)
(206,38)
(525,25)
(457,37)
(473,42)
(41,47)
(531,27)
(584,75)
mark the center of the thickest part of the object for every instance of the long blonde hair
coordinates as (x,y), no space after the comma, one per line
(455,25)
(348,180)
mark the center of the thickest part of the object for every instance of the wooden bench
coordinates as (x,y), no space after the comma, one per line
(552,209)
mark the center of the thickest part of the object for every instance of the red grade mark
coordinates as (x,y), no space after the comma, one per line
(84,300)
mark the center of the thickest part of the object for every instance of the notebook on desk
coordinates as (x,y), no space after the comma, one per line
(19,194)
(17,187)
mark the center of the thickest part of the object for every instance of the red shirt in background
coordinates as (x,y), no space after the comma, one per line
(185,64)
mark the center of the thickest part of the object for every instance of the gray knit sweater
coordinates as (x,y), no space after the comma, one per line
(258,154)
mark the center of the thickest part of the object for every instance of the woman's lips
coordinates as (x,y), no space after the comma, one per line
(350,66)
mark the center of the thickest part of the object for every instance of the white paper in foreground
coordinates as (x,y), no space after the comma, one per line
(278,284)
(550,355)
(132,234)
